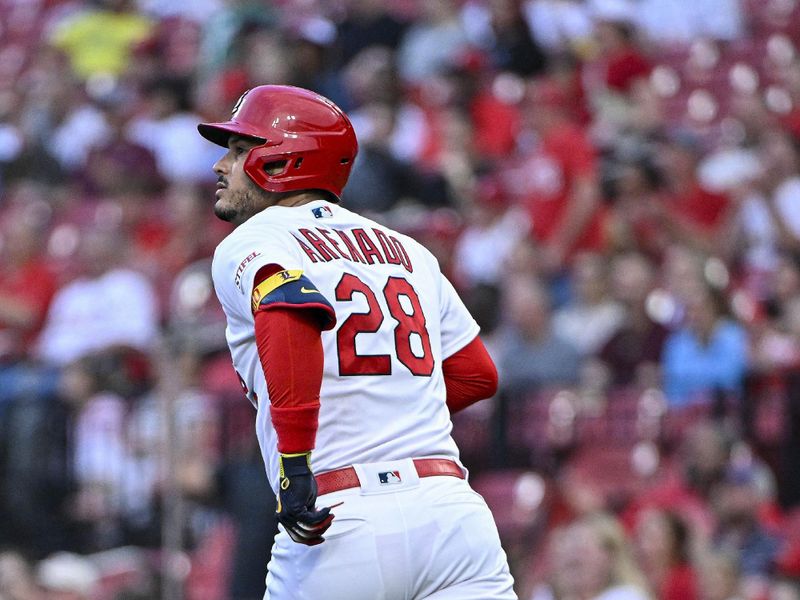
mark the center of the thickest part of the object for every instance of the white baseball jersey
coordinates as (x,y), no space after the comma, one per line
(398,318)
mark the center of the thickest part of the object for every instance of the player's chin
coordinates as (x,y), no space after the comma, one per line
(225,212)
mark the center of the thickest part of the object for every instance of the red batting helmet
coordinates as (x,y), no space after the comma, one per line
(307,131)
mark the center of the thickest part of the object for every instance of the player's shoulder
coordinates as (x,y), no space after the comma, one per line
(261,237)
(409,242)
(262,228)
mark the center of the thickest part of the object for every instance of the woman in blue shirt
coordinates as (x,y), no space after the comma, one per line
(707,354)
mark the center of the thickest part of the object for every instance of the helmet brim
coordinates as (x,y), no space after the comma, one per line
(220,133)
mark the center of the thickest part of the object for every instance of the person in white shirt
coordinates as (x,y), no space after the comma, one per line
(110,305)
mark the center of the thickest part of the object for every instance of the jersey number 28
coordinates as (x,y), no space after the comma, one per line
(410,325)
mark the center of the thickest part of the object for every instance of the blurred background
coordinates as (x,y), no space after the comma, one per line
(612,185)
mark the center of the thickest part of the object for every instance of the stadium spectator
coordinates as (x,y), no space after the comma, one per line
(622,97)
(633,353)
(555,178)
(705,455)
(634,184)
(25,155)
(592,316)
(179,424)
(367,23)
(782,180)
(98,460)
(775,346)
(664,550)
(448,162)
(173,232)
(593,561)
(379,180)
(171,51)
(167,129)
(693,215)
(532,356)
(719,577)
(371,78)
(264,56)
(99,39)
(223,31)
(110,306)
(116,165)
(493,230)
(624,65)
(499,28)
(35,481)
(311,46)
(76,124)
(782,286)
(682,273)
(738,502)
(27,281)
(432,43)
(701,458)
(708,355)
(768,214)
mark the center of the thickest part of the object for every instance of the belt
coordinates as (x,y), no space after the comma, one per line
(345,478)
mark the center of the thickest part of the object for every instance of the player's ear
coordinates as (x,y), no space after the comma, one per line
(276,167)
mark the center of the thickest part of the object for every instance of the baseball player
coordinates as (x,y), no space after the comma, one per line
(354,349)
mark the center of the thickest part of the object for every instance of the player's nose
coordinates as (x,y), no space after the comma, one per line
(221,166)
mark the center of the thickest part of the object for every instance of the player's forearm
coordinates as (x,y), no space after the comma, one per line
(469,376)
(290,349)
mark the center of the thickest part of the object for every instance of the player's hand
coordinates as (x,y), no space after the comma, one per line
(296,501)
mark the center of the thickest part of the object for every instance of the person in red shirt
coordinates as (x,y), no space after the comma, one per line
(623,62)
(663,542)
(690,213)
(555,177)
(27,283)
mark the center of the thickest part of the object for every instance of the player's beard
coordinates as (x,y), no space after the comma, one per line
(240,207)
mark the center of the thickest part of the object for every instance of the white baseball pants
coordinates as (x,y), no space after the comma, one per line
(397,538)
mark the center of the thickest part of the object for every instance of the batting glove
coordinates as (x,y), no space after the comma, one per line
(296,501)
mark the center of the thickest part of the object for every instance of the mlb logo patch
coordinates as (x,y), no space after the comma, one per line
(390,477)
(322,212)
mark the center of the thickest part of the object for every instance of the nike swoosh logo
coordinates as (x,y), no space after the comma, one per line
(307,291)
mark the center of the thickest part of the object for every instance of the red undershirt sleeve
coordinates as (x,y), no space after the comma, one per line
(290,350)
(469,376)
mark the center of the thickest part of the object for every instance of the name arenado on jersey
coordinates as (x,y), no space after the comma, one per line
(356,245)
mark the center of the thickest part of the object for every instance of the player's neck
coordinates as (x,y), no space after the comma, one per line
(299,198)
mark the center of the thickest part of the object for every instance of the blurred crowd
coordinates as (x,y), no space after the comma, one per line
(612,185)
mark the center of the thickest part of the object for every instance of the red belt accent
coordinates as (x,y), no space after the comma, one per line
(345,478)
